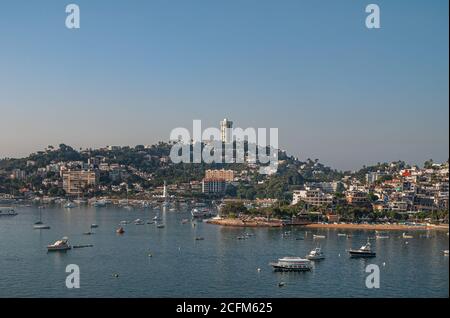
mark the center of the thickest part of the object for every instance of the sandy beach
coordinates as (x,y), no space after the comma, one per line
(376,227)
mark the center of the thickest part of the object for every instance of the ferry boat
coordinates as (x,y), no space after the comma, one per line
(316,254)
(60,245)
(291,264)
(363,251)
(7,211)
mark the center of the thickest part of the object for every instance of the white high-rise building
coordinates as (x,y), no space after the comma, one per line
(225,130)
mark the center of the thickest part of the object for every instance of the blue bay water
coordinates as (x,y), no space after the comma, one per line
(218,266)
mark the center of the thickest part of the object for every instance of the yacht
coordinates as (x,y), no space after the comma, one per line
(201,210)
(60,245)
(7,211)
(69,205)
(316,254)
(39,225)
(363,251)
(406,236)
(291,264)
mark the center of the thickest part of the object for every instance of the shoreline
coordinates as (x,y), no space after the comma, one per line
(279,223)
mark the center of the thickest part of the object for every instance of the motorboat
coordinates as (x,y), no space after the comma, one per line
(160,226)
(41,226)
(139,222)
(342,234)
(380,236)
(316,254)
(363,251)
(407,236)
(120,230)
(93,226)
(318,236)
(7,211)
(291,264)
(445,252)
(60,245)
(70,205)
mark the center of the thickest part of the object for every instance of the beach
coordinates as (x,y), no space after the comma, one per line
(257,222)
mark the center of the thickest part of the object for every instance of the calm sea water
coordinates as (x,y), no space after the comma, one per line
(218,266)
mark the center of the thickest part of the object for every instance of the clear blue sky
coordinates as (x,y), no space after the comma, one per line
(136,69)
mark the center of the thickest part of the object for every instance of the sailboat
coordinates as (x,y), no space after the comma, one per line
(39,225)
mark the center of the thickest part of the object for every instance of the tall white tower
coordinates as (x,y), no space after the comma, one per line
(225,130)
(165,190)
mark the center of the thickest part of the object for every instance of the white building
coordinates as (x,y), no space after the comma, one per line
(225,130)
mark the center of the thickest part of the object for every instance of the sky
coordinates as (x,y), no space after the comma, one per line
(135,70)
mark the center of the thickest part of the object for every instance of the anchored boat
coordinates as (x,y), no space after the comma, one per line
(60,245)
(291,264)
(363,251)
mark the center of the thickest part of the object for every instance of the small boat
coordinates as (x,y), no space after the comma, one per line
(41,226)
(156,218)
(88,233)
(150,222)
(406,236)
(184,221)
(199,238)
(60,245)
(160,226)
(379,237)
(316,254)
(70,205)
(94,226)
(7,211)
(445,252)
(342,234)
(120,230)
(139,222)
(124,222)
(82,246)
(242,237)
(291,264)
(363,251)
(318,236)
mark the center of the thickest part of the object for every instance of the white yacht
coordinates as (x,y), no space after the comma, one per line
(291,264)
(60,245)
(7,211)
(316,254)
(363,251)
(70,205)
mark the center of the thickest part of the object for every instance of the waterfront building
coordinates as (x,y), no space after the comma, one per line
(211,186)
(225,130)
(74,182)
(356,198)
(227,175)
(314,197)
